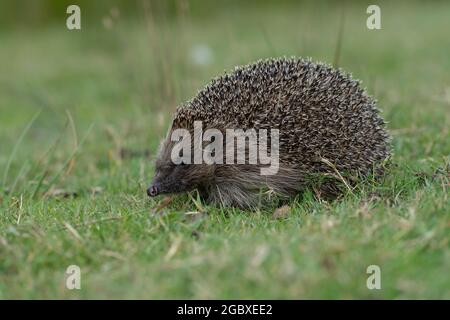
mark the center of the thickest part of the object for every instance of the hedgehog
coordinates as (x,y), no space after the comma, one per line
(329,135)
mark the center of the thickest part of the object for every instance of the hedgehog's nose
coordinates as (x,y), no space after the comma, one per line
(152,191)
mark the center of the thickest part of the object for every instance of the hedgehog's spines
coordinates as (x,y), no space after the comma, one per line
(321,112)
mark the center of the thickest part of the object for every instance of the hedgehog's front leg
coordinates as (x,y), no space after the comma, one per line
(231,194)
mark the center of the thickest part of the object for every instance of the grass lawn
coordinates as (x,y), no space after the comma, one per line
(82,113)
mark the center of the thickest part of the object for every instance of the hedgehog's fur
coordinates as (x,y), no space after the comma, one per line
(329,130)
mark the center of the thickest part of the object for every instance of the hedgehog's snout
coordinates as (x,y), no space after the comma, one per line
(153,190)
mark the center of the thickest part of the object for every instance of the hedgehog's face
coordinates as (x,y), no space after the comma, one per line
(171,178)
(175,178)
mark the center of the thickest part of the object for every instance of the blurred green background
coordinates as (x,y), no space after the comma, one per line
(73,179)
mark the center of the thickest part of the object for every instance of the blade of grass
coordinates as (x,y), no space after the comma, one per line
(48,153)
(16,147)
(22,172)
(75,140)
(339,176)
(58,174)
(340,36)
(266,38)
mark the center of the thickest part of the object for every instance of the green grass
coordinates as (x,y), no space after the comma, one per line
(101,91)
